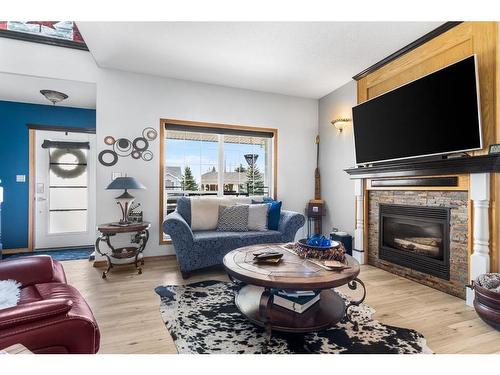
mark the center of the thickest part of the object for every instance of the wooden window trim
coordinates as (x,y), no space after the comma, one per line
(163,125)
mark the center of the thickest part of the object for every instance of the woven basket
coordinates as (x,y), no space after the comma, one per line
(333,253)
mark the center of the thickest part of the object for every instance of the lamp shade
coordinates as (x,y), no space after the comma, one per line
(121,183)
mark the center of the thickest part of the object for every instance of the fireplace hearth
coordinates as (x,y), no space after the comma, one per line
(416,237)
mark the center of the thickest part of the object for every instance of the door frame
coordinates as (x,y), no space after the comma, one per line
(32,128)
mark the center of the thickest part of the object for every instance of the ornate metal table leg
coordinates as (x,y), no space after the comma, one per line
(110,265)
(353,285)
(138,240)
(104,238)
(233,280)
(141,238)
(265,304)
(146,239)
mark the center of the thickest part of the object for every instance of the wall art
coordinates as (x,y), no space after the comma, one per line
(138,148)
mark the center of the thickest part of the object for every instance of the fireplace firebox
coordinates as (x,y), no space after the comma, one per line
(416,237)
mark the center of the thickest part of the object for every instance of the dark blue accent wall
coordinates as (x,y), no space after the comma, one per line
(14,159)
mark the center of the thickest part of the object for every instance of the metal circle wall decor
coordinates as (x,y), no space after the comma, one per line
(110,163)
(140,144)
(137,149)
(78,168)
(136,154)
(147,155)
(109,140)
(122,147)
(150,133)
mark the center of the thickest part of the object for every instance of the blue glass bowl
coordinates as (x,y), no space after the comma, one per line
(303,243)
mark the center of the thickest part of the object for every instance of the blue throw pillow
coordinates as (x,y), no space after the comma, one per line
(273,215)
(273,212)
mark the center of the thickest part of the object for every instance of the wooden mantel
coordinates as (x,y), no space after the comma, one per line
(461,165)
(478,174)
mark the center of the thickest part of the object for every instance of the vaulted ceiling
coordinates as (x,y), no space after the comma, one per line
(306,59)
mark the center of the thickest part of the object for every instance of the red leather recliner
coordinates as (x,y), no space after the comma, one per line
(51,316)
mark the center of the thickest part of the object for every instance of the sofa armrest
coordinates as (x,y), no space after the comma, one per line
(290,223)
(178,229)
(30,312)
(31,270)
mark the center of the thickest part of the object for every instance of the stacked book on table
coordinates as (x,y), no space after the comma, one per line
(296,301)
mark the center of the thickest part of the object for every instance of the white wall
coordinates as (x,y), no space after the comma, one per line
(42,60)
(336,154)
(128,102)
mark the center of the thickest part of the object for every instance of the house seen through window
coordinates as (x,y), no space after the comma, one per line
(205,161)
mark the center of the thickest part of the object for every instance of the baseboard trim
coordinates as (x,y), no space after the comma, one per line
(16,251)
(102,263)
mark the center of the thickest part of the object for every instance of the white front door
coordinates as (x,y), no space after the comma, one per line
(64,190)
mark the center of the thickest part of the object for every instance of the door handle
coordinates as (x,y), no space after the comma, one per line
(40,199)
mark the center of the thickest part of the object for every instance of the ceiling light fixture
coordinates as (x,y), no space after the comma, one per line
(340,123)
(54,96)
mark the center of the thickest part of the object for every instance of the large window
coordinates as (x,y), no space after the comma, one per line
(58,33)
(212,159)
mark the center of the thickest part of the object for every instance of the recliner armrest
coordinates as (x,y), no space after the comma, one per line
(30,270)
(30,312)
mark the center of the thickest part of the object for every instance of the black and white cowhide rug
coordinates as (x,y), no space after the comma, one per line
(202,318)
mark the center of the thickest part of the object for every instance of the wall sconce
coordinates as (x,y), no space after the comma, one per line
(340,123)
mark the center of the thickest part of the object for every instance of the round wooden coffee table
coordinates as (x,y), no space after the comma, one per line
(255,299)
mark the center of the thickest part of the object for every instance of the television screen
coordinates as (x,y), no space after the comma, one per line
(435,114)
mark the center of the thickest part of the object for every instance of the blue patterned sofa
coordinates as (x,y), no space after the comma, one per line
(204,248)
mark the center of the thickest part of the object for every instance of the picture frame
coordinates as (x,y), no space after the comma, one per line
(494,149)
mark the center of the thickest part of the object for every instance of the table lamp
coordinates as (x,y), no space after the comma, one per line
(126,199)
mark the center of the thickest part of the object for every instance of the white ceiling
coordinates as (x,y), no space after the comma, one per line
(26,89)
(307,59)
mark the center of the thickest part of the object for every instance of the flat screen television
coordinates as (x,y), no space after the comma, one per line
(433,115)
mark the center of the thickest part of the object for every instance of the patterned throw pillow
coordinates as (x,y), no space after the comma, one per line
(233,218)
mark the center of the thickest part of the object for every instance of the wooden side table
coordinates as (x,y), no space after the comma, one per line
(123,255)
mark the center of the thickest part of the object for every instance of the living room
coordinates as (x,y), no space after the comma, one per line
(205,185)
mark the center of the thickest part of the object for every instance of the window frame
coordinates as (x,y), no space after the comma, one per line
(163,125)
(42,39)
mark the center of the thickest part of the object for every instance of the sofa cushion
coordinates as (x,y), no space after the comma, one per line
(273,213)
(211,235)
(233,218)
(233,240)
(257,217)
(258,237)
(204,213)
(184,206)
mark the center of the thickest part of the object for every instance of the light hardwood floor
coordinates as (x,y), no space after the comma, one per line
(127,308)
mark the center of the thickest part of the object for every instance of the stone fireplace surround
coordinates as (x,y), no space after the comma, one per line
(476,170)
(457,201)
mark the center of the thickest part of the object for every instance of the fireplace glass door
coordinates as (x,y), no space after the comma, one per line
(420,237)
(416,237)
